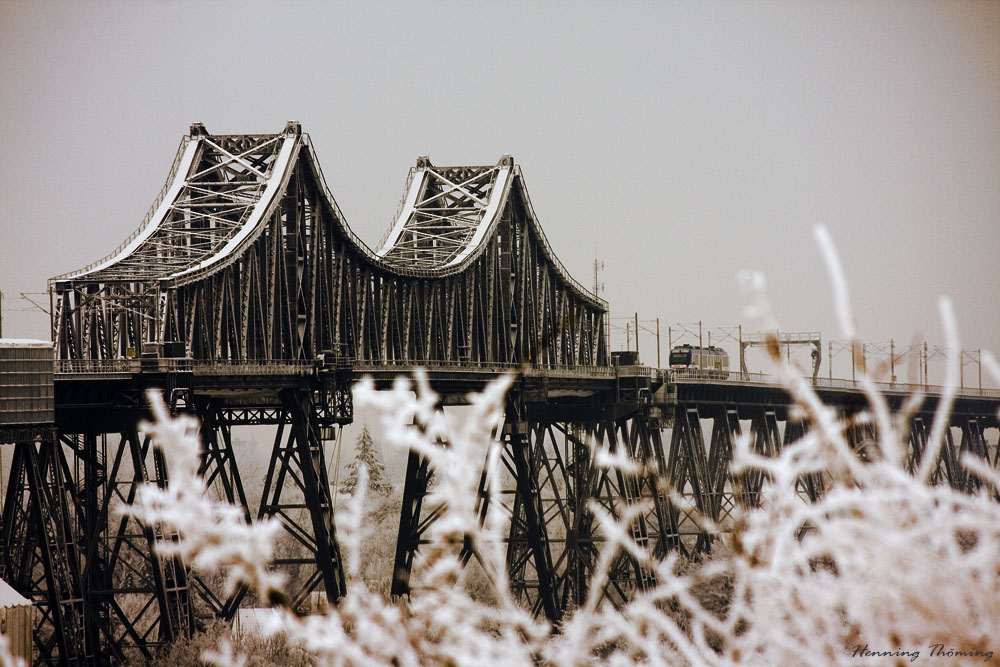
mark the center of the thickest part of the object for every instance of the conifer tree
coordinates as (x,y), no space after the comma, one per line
(366,451)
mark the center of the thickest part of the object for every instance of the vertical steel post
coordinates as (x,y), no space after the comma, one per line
(517,434)
(925,363)
(316,490)
(658,342)
(743,363)
(700,345)
(892,360)
(637,336)
(418,474)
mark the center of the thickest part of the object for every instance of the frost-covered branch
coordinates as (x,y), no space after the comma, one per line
(213,535)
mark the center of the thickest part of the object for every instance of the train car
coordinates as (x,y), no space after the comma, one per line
(692,357)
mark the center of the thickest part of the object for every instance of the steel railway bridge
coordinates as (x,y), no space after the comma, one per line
(247,300)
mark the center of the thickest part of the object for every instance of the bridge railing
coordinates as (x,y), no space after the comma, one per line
(253,367)
(636,370)
(737,377)
(89,366)
(306,367)
(198,366)
(404,366)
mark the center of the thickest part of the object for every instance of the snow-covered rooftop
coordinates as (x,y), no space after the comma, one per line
(23,342)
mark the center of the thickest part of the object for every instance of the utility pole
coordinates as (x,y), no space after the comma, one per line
(700,347)
(598,266)
(892,360)
(743,361)
(854,355)
(925,363)
(637,336)
(658,343)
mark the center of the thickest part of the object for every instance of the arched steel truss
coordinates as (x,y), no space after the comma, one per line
(248,257)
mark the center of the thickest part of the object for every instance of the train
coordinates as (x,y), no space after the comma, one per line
(693,357)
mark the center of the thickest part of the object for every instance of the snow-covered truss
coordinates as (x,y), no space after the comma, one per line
(446,213)
(214,188)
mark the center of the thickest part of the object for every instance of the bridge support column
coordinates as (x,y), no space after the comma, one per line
(142,602)
(220,470)
(169,575)
(706,476)
(41,558)
(529,538)
(688,474)
(725,490)
(297,492)
(418,474)
(106,595)
(812,485)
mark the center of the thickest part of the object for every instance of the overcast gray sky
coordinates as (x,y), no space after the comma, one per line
(682,141)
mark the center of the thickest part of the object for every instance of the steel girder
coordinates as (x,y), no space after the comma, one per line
(442,209)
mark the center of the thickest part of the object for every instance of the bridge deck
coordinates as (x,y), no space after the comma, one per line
(84,369)
(83,386)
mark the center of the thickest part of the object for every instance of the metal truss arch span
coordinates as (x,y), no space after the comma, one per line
(246,256)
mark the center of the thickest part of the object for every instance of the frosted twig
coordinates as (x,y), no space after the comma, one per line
(835,270)
(211,535)
(942,415)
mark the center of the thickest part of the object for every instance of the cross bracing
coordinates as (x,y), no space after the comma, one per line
(209,196)
(444,210)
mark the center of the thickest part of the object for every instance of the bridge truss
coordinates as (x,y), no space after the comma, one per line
(245,299)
